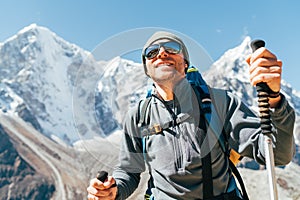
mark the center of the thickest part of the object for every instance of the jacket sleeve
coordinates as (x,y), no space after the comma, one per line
(246,136)
(283,118)
(131,162)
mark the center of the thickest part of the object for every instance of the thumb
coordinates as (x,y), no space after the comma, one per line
(110,182)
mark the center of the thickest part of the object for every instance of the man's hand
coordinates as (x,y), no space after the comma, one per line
(265,67)
(105,191)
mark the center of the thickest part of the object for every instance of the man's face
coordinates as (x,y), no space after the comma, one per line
(166,66)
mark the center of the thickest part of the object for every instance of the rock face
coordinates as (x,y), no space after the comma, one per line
(19,180)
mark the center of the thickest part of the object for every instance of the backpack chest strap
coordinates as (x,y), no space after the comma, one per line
(158,128)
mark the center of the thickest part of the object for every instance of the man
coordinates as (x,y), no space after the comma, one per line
(176,155)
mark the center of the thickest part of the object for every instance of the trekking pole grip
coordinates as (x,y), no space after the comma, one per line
(102,176)
(263,92)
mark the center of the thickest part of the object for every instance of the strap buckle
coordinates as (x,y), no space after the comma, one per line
(155,129)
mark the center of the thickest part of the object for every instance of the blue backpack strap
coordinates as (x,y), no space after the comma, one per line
(196,80)
(203,95)
(205,117)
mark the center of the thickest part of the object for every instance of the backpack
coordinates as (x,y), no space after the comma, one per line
(195,79)
(203,96)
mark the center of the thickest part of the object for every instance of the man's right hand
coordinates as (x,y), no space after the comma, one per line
(104,191)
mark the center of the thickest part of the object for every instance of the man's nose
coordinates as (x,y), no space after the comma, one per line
(162,53)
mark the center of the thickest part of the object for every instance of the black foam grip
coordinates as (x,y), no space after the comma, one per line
(102,176)
(263,91)
(256,44)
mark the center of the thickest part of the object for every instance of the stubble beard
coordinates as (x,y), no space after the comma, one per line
(169,80)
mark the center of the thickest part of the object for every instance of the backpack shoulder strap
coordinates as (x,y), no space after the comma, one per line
(204,99)
(142,108)
(141,119)
(233,158)
(205,102)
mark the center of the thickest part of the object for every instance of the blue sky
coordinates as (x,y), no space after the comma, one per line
(215,24)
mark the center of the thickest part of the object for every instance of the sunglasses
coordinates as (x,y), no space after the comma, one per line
(170,47)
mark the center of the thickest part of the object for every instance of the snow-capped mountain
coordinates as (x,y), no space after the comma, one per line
(122,84)
(42,74)
(231,72)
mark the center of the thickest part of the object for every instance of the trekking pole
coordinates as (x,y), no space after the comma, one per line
(265,119)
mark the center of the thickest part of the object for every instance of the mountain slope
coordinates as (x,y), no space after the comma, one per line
(38,73)
(35,167)
(19,180)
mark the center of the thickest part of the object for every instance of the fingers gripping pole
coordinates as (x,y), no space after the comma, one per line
(263,92)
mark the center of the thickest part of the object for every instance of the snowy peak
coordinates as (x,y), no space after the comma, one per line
(42,69)
(233,60)
(230,72)
(29,46)
(42,35)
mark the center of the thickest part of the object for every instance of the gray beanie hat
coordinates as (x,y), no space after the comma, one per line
(165,35)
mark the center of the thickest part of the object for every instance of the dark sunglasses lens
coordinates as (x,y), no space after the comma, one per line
(172,47)
(151,51)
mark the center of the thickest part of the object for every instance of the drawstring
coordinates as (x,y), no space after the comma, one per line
(174,109)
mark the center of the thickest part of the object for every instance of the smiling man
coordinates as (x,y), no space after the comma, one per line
(177,140)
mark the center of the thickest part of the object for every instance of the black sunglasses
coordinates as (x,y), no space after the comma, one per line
(171,47)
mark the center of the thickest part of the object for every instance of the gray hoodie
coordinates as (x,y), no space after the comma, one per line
(174,155)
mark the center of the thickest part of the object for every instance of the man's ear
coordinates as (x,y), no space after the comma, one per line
(186,66)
